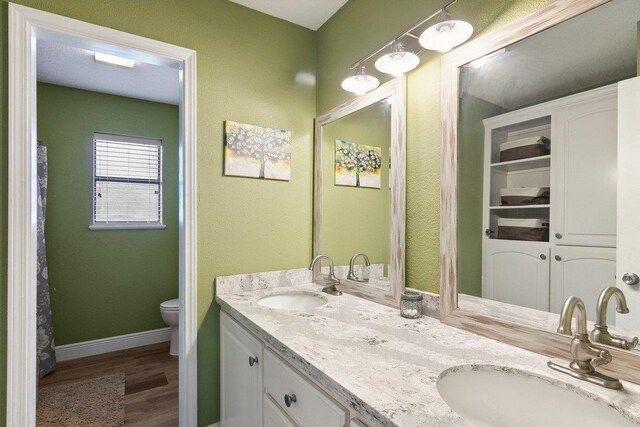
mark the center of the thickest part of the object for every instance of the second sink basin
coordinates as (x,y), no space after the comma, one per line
(295,300)
(503,397)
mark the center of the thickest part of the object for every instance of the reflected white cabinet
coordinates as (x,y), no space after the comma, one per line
(259,389)
(517,273)
(584,139)
(584,272)
(241,378)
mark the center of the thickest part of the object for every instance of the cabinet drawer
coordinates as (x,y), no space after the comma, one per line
(274,416)
(311,408)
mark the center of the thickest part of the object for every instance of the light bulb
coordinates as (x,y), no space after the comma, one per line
(398,62)
(446,34)
(360,83)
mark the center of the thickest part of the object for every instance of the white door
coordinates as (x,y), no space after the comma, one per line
(273,415)
(517,273)
(241,377)
(583,272)
(584,184)
(629,198)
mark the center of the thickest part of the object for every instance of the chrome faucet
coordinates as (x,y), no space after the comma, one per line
(586,356)
(331,281)
(351,275)
(600,332)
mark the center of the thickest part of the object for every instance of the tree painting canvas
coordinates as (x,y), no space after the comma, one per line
(358,165)
(257,152)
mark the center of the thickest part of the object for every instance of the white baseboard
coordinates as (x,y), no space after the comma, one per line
(106,345)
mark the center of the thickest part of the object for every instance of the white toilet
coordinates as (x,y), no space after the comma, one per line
(170,310)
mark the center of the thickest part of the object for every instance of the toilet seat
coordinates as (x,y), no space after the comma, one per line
(170,305)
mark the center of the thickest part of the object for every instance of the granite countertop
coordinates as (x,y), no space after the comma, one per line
(384,366)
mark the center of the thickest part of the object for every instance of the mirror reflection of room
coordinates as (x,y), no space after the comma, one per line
(356,213)
(538,164)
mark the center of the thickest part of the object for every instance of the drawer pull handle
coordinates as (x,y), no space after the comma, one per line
(252,360)
(289,399)
(558,258)
(558,236)
(543,257)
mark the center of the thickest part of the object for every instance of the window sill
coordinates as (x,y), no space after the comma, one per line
(101,227)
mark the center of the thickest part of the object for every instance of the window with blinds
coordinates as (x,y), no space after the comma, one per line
(127,181)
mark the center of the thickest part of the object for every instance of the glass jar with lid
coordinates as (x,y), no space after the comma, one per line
(411,304)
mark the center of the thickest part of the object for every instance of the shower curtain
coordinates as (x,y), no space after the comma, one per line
(46,346)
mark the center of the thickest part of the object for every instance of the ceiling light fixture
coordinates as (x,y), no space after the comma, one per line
(443,36)
(398,62)
(446,34)
(360,83)
(114,60)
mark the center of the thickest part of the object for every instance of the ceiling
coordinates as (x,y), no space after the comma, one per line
(66,65)
(307,13)
(595,48)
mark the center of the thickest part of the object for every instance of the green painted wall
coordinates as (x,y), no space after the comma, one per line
(247,64)
(470,165)
(362,25)
(104,283)
(357,219)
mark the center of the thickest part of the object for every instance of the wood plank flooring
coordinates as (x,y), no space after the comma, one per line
(151,381)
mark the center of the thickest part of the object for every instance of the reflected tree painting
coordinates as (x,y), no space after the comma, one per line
(358,165)
(257,152)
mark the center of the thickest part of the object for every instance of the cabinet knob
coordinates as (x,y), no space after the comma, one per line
(558,236)
(289,399)
(630,279)
(558,258)
(252,360)
(543,257)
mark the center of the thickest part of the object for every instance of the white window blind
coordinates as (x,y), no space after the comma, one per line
(127,181)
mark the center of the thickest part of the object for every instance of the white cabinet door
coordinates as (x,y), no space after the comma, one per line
(517,273)
(273,415)
(584,143)
(629,198)
(583,272)
(241,378)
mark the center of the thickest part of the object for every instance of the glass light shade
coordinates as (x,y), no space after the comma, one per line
(360,83)
(446,35)
(398,62)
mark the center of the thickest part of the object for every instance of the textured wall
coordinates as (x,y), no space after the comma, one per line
(247,66)
(471,166)
(104,283)
(362,25)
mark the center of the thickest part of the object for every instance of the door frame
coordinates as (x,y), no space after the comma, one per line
(26,26)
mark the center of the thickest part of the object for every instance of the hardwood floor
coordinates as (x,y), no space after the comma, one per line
(151,384)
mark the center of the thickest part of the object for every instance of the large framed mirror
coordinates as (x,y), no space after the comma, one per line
(535,189)
(359,192)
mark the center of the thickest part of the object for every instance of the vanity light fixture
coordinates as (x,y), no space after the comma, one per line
(446,34)
(114,60)
(443,36)
(398,62)
(360,83)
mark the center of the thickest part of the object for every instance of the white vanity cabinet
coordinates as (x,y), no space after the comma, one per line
(578,258)
(241,377)
(585,272)
(269,392)
(517,274)
(584,158)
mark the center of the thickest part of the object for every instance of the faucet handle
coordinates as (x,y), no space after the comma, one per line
(602,358)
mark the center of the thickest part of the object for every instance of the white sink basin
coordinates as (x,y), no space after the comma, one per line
(297,300)
(503,397)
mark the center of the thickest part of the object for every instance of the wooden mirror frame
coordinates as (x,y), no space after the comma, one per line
(396,89)
(625,364)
